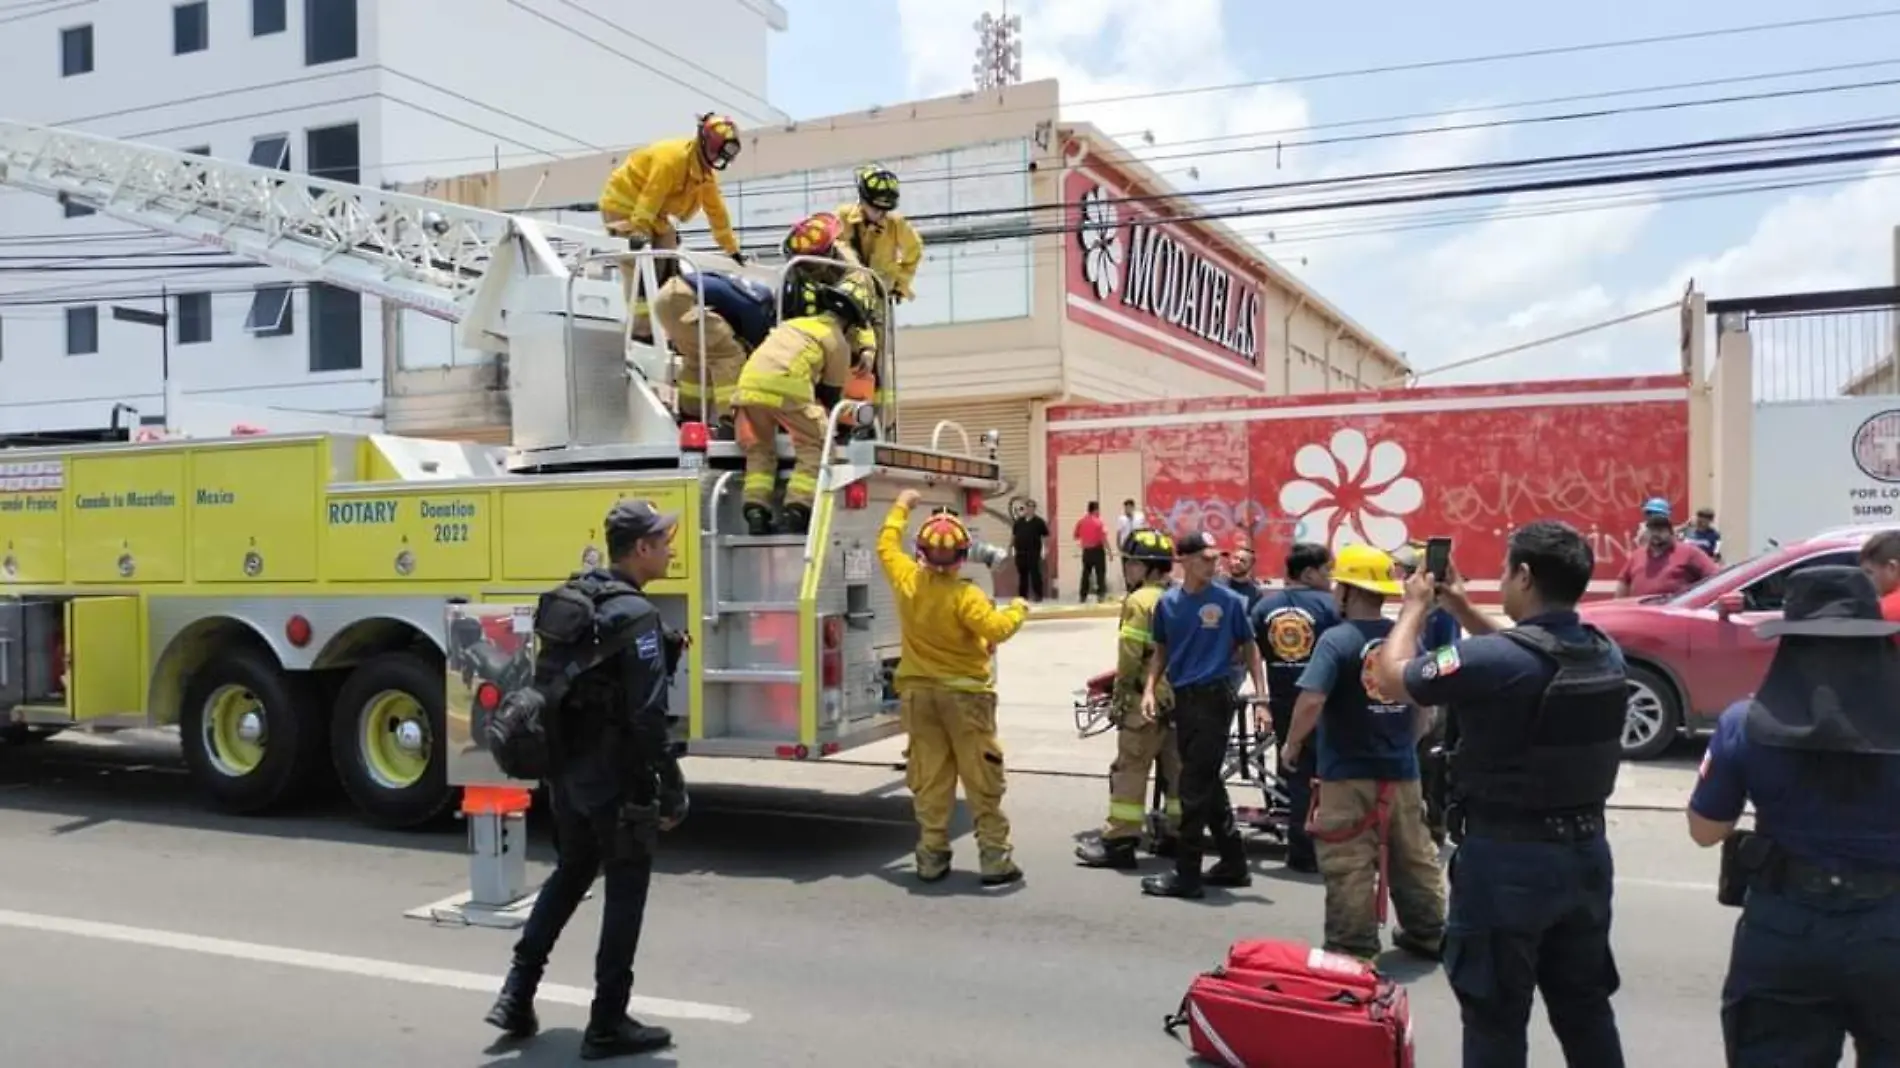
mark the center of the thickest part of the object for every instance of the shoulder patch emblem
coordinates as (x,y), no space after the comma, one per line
(1369,656)
(647,645)
(1210,616)
(1445,661)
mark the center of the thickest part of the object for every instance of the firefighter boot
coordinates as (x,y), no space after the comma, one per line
(625,1037)
(1117,853)
(999,868)
(932,864)
(758,520)
(1184,881)
(513,1011)
(797,519)
(1231,869)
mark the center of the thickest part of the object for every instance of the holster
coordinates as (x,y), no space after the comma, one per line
(1745,856)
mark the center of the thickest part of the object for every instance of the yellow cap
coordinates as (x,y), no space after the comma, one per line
(1367,568)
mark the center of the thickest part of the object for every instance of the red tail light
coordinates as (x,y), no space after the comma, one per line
(857,495)
(833,663)
(972,503)
(834,632)
(297,631)
(694,437)
(488,696)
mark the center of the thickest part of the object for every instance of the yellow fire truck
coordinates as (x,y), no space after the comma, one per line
(304,606)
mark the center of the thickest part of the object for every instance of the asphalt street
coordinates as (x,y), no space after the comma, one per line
(784,930)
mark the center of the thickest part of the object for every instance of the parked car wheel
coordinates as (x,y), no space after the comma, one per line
(1655,714)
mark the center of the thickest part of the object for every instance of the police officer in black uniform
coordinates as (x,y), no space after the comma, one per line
(1538,714)
(615,785)
(1817,951)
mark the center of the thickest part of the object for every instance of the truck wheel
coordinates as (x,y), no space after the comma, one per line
(1654,716)
(252,736)
(386,735)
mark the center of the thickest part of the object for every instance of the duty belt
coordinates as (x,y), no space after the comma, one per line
(1808,879)
(1534,826)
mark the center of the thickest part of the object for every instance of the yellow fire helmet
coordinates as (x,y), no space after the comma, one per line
(943,541)
(1368,568)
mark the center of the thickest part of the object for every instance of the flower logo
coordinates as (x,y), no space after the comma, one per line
(1099,237)
(1350,494)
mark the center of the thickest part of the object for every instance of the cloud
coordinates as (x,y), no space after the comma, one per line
(1511,258)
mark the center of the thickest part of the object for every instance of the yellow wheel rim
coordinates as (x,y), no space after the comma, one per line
(235,731)
(396,740)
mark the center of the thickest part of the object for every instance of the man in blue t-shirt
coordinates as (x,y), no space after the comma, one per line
(1287,623)
(1368,796)
(737,314)
(1814,959)
(1199,628)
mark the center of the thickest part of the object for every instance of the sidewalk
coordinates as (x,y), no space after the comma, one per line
(1053,656)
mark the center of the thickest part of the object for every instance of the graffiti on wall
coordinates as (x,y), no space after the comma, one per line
(1391,469)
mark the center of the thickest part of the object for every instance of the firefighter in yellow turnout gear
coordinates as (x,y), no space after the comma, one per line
(1147,560)
(946,693)
(876,236)
(792,380)
(665,183)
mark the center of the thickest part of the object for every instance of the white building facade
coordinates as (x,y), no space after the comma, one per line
(379,92)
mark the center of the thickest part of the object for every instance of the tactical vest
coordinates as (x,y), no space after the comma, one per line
(1567,754)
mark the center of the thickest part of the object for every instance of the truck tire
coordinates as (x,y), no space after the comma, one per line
(1655,714)
(252,735)
(387,740)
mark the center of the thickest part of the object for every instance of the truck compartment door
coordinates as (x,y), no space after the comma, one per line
(12,654)
(105,673)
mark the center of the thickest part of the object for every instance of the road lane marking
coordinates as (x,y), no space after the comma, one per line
(366,967)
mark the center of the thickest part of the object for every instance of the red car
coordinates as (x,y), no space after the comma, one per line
(1693,654)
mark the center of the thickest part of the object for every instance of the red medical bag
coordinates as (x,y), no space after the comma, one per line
(1284,1005)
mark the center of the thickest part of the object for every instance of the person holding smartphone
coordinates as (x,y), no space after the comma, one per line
(1441,630)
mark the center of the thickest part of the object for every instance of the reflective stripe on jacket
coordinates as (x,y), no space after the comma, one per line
(950,628)
(796,356)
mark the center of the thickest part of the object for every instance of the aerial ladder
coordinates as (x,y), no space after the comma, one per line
(794,636)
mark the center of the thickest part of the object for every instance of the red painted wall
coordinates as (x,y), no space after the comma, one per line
(1470,462)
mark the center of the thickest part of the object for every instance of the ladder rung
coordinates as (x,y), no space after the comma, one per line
(744,675)
(762,541)
(733,608)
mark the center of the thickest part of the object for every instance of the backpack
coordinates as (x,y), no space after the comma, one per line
(568,644)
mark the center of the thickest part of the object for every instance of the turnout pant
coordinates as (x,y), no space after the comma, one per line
(1139,746)
(1094,573)
(1349,829)
(1807,970)
(588,843)
(952,739)
(758,429)
(632,287)
(1530,917)
(678,311)
(1203,716)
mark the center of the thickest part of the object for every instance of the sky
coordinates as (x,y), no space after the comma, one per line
(1445,282)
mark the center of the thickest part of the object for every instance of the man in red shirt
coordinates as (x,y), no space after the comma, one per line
(1665,565)
(1092,536)
(1880,558)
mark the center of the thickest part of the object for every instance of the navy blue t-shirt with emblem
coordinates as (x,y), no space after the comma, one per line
(1287,624)
(1362,735)
(1201,631)
(1821,830)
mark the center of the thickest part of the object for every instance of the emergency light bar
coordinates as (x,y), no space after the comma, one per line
(937,463)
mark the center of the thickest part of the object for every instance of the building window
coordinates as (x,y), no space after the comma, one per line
(270,312)
(329,31)
(334,153)
(74,209)
(272,152)
(336,329)
(82,330)
(193,315)
(75,51)
(191,28)
(267,17)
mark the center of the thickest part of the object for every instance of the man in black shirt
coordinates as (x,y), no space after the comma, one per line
(615,786)
(1026,537)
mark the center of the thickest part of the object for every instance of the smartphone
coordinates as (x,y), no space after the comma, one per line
(1438,557)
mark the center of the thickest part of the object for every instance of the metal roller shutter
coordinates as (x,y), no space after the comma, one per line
(1009,418)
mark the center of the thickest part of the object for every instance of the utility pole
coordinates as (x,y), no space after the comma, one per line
(999,50)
